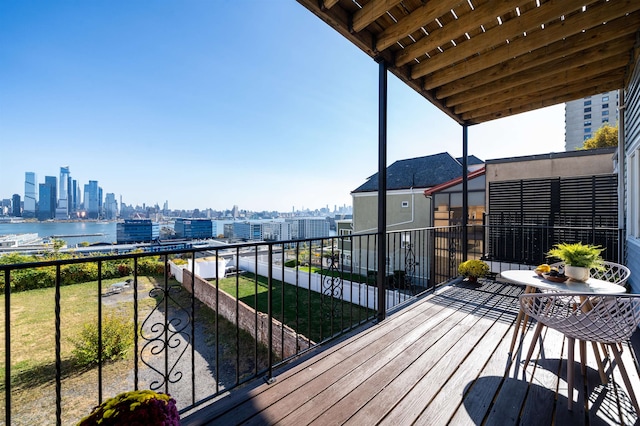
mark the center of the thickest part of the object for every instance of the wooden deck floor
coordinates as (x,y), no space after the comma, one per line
(441,360)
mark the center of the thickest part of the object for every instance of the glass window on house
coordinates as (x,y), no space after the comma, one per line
(588,109)
(587,116)
(605,106)
(605,99)
(586,103)
(605,112)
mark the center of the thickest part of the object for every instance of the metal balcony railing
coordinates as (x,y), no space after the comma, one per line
(198,321)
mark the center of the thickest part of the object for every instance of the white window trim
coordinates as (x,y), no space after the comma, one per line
(633,193)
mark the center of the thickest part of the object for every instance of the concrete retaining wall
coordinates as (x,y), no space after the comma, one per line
(286,342)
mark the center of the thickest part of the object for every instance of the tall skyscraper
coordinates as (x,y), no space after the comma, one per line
(92,199)
(15,205)
(583,117)
(30,195)
(47,198)
(62,209)
(110,206)
(77,197)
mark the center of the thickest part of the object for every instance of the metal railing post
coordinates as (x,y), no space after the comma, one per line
(382,187)
(7,346)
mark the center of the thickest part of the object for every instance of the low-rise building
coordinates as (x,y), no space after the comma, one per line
(193,228)
(137,231)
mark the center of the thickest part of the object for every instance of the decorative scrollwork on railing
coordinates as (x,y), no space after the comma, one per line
(163,331)
(409,267)
(332,289)
(453,251)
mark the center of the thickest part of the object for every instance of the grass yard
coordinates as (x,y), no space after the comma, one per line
(33,367)
(310,313)
(33,349)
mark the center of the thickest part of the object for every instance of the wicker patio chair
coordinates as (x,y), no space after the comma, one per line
(605,319)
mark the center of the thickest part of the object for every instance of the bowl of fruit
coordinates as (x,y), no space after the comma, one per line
(555,276)
(542,269)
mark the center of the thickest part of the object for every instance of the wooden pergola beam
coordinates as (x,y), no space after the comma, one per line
(416,20)
(616,29)
(465,23)
(530,89)
(328,4)
(550,94)
(572,25)
(370,12)
(515,28)
(604,55)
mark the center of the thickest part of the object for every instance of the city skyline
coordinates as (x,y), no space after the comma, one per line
(68,201)
(149,110)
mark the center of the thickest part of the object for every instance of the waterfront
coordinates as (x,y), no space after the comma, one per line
(72,233)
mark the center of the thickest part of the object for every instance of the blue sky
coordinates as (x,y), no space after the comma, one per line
(213,104)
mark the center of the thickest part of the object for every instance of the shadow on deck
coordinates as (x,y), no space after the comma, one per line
(442,359)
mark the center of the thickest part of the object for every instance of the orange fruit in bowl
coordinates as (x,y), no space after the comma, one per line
(542,269)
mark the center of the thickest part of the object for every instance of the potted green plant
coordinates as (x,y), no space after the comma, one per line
(578,258)
(473,269)
(143,407)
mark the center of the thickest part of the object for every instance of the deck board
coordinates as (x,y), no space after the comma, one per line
(442,359)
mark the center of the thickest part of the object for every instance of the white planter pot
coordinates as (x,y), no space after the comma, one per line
(576,273)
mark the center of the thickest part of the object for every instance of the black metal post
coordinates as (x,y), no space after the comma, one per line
(465,192)
(622,137)
(100,360)
(136,328)
(7,346)
(382,187)
(58,349)
(269,377)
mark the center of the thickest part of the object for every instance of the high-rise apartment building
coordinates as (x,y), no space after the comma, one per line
(583,117)
(30,195)
(62,209)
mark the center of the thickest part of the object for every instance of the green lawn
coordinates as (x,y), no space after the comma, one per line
(33,348)
(309,313)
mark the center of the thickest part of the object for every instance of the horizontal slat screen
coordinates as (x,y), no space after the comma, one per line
(526,217)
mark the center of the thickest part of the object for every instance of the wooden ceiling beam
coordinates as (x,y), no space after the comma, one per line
(551,34)
(370,12)
(562,77)
(497,35)
(549,95)
(615,51)
(413,22)
(340,20)
(592,39)
(464,24)
(328,4)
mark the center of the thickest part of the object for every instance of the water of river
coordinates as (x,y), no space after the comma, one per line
(71,232)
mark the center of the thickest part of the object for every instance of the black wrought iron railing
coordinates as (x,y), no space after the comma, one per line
(192,322)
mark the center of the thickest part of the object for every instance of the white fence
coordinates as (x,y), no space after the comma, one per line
(356,293)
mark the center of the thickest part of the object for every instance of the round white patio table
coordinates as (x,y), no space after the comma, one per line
(533,282)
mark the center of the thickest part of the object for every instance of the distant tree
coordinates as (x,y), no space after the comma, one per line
(605,136)
(58,244)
